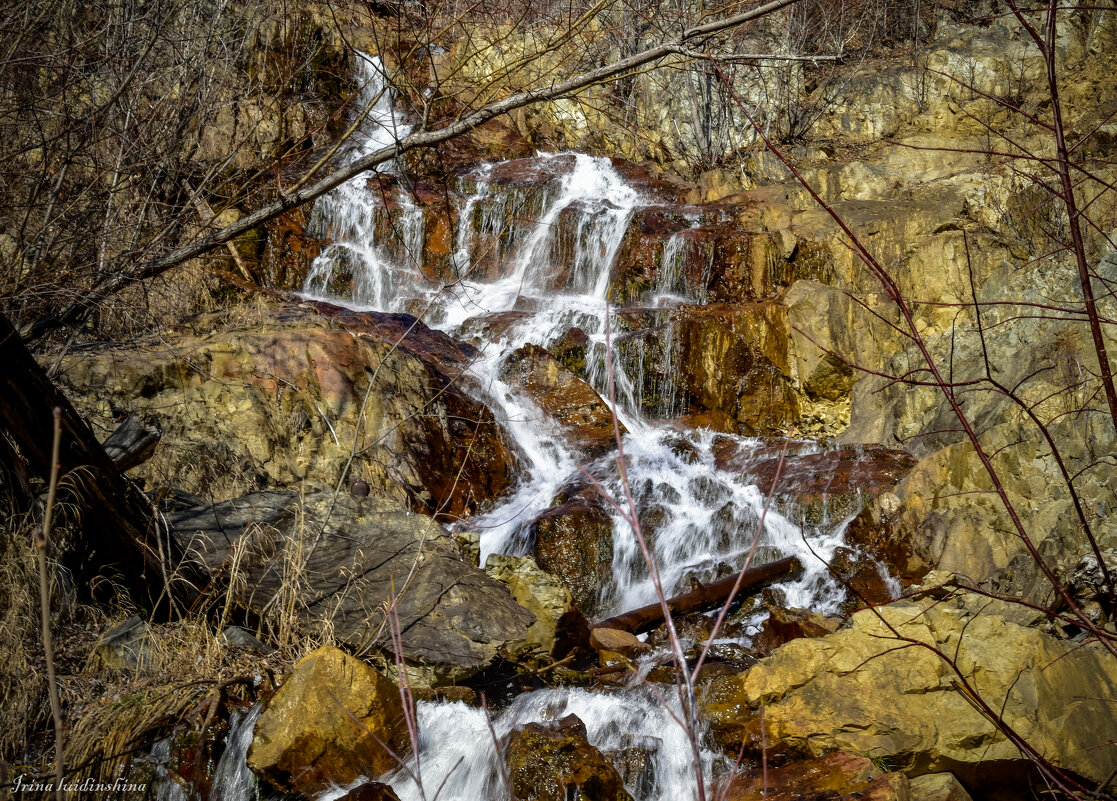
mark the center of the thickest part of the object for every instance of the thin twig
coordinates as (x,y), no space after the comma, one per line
(44,605)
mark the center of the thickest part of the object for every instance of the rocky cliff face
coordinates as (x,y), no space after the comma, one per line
(739,308)
(297,396)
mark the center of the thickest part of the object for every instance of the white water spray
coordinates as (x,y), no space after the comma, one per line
(233,780)
(540,252)
(457,746)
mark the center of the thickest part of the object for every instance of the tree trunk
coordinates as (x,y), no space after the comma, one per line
(703,599)
(118,532)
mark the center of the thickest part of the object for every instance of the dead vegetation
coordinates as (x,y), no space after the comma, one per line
(189,679)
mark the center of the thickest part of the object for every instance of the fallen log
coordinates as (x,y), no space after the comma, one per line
(119,537)
(705,598)
(132,443)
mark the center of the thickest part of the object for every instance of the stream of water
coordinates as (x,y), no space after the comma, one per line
(538,255)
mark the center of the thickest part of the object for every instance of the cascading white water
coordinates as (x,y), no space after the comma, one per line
(583,211)
(348,216)
(233,780)
(457,755)
(546,253)
(457,746)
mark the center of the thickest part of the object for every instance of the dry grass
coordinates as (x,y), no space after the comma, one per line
(115,714)
(160,303)
(23,689)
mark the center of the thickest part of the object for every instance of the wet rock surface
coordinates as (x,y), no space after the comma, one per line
(784,625)
(574,541)
(373,791)
(829,484)
(840,776)
(866,580)
(556,763)
(564,398)
(727,362)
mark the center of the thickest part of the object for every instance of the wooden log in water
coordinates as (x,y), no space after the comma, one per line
(705,598)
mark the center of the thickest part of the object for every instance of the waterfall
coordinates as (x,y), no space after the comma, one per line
(539,248)
(233,780)
(374,269)
(554,270)
(457,746)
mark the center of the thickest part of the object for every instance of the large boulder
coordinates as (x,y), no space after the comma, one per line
(330,565)
(737,360)
(877,688)
(945,514)
(289,396)
(574,541)
(327,725)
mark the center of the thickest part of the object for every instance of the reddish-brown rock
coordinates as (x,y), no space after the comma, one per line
(373,791)
(288,250)
(574,541)
(470,463)
(839,776)
(565,398)
(870,469)
(641,268)
(491,327)
(784,625)
(571,349)
(878,535)
(861,576)
(826,485)
(615,641)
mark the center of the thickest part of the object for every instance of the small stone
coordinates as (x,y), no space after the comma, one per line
(938,787)
(128,646)
(373,791)
(617,641)
(235,635)
(469,542)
